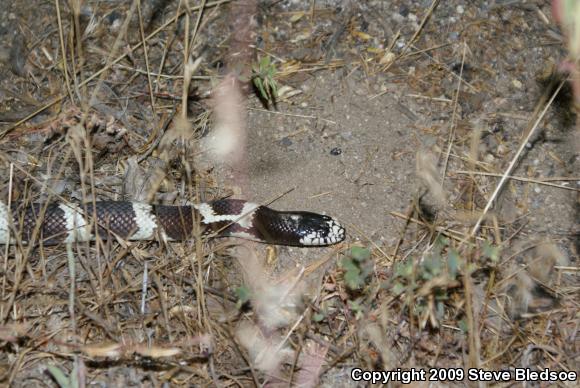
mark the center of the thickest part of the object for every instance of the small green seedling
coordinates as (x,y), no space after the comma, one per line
(62,379)
(357,266)
(243,293)
(263,78)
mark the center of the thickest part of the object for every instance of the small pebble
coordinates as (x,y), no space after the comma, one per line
(346,135)
(517,84)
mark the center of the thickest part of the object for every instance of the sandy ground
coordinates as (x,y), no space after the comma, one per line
(374,172)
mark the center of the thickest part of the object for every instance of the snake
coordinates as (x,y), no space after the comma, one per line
(59,222)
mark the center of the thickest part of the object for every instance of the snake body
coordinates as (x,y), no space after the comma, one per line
(61,222)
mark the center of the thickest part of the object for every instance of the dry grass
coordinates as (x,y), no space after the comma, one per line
(455,291)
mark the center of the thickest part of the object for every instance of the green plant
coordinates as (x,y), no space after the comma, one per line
(243,293)
(425,283)
(263,79)
(357,308)
(62,379)
(490,252)
(357,267)
(318,317)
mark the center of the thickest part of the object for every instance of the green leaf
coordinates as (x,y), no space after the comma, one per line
(432,266)
(265,62)
(355,306)
(440,243)
(404,270)
(263,77)
(440,310)
(463,326)
(61,379)
(453,263)
(352,276)
(243,293)
(260,85)
(274,87)
(74,374)
(348,264)
(490,251)
(398,289)
(318,317)
(360,254)
(418,308)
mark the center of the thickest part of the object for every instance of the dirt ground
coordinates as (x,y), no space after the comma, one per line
(397,118)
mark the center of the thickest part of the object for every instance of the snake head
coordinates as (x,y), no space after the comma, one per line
(319,230)
(300,228)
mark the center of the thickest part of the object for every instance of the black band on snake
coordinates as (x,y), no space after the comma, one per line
(65,223)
